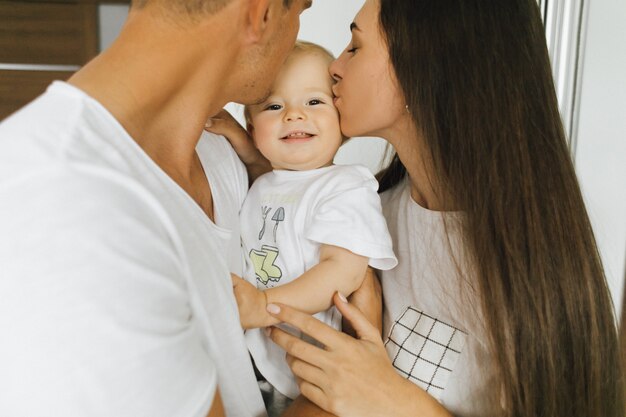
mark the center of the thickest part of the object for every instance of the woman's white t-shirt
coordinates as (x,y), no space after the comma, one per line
(431,326)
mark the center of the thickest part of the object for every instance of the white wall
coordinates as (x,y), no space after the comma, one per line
(601,150)
(112,17)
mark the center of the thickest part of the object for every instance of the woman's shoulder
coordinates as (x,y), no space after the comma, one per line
(393,195)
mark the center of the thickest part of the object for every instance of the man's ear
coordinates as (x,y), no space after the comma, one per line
(258,15)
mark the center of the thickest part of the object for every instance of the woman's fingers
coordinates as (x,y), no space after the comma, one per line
(305,371)
(314,394)
(359,322)
(298,348)
(307,324)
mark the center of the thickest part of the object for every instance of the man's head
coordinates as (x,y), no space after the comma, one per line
(234,47)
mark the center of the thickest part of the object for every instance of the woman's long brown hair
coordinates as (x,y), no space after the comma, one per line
(476,77)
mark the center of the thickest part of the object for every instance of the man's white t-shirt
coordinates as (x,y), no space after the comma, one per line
(285,219)
(433,332)
(115,292)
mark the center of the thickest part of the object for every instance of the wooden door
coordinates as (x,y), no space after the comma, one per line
(42,41)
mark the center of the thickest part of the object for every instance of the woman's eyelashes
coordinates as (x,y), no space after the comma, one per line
(352,48)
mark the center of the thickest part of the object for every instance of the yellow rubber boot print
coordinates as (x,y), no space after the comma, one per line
(263,262)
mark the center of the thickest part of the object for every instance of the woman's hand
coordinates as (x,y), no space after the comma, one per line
(252,305)
(226,125)
(369,300)
(349,377)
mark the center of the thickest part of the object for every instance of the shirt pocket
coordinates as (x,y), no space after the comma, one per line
(425,350)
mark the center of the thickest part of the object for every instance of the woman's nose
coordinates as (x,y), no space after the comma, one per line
(334,69)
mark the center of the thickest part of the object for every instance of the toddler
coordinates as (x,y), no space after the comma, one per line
(309,228)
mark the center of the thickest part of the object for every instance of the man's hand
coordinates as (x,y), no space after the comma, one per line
(252,305)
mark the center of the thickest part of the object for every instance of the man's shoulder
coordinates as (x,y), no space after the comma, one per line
(225,171)
(85,199)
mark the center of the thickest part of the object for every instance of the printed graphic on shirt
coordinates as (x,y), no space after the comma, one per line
(264,259)
(263,262)
(279,216)
(425,350)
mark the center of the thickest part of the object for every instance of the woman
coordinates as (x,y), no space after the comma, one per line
(499,305)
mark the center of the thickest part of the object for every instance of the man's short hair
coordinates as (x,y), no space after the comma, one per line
(194,6)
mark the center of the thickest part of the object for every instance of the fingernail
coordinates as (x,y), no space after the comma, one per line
(273,309)
(342,297)
(209,123)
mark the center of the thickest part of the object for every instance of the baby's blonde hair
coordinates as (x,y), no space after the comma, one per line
(300,48)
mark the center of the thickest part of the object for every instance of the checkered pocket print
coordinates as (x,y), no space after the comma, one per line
(424,350)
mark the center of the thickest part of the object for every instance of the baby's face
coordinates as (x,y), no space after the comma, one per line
(297,127)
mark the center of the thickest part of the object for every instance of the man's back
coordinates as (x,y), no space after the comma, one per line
(115,297)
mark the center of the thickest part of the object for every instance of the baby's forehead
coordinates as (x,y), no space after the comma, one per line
(302,69)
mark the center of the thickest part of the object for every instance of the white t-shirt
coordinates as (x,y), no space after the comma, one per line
(432,328)
(115,292)
(285,219)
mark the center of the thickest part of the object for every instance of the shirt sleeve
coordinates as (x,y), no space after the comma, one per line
(94,309)
(349,215)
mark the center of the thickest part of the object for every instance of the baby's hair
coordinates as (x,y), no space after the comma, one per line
(300,48)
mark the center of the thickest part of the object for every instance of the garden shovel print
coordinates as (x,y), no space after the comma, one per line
(279,216)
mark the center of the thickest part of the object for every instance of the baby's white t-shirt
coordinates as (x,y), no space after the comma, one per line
(285,219)
(432,325)
(115,292)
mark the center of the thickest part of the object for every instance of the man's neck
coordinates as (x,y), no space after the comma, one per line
(160,88)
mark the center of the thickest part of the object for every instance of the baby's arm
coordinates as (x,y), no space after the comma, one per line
(225,124)
(339,270)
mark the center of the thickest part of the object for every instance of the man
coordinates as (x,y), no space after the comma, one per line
(115,293)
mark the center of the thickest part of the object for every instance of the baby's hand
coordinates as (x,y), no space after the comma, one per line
(251,303)
(226,125)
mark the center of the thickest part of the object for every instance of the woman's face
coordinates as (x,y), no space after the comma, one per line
(368,97)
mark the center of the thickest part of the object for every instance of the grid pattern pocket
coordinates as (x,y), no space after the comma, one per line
(424,350)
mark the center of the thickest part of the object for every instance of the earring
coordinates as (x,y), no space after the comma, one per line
(406,106)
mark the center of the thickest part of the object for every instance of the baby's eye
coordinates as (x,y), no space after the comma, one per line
(273,107)
(315,102)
